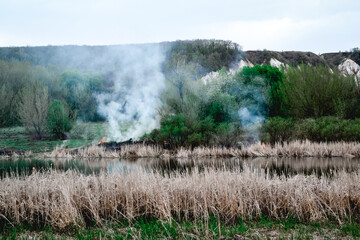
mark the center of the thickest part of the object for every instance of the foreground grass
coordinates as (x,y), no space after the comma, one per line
(69,199)
(200,229)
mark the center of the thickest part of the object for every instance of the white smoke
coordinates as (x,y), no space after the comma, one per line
(250,121)
(131,108)
(253,110)
(249,118)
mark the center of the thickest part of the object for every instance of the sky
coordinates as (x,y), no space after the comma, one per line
(282,25)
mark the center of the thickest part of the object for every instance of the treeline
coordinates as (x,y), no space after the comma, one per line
(318,104)
(222,108)
(215,110)
(37,83)
(29,93)
(204,55)
(302,102)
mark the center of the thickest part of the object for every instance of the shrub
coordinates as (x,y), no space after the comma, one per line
(317,91)
(273,78)
(319,130)
(58,122)
(277,129)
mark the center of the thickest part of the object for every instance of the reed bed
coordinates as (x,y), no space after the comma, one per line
(68,199)
(287,149)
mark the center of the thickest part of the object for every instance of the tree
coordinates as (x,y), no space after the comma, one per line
(273,79)
(33,109)
(208,55)
(6,97)
(78,92)
(14,77)
(317,92)
(58,121)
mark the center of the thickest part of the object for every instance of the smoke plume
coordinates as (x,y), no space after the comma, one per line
(253,110)
(131,107)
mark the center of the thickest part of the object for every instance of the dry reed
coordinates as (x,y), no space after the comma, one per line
(66,199)
(291,149)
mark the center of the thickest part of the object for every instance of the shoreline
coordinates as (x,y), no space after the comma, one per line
(287,149)
(132,151)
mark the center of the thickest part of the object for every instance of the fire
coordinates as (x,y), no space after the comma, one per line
(263,145)
(103,140)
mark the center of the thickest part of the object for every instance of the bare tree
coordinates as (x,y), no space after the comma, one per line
(33,109)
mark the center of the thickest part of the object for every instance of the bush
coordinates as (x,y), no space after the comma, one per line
(273,79)
(309,92)
(227,134)
(319,130)
(277,129)
(58,122)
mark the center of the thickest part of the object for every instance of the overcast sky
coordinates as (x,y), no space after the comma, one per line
(306,25)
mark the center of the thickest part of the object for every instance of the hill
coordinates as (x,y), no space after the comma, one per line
(210,55)
(347,62)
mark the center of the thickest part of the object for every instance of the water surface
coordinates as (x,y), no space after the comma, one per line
(271,166)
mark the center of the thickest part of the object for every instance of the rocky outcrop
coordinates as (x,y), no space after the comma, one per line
(350,67)
(245,63)
(276,63)
(287,58)
(347,62)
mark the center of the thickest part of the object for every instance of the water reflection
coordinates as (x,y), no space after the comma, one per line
(321,167)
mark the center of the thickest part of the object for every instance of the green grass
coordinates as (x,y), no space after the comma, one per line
(201,229)
(82,134)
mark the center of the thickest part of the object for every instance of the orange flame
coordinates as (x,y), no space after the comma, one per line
(103,140)
(263,145)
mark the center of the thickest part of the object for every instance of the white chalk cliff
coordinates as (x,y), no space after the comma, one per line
(276,63)
(350,67)
(245,63)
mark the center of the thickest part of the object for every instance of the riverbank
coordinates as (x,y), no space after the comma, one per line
(287,149)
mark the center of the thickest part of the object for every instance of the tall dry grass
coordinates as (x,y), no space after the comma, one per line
(290,149)
(67,199)
(95,151)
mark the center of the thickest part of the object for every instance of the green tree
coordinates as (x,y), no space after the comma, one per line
(318,91)
(206,55)
(6,98)
(58,122)
(273,78)
(78,92)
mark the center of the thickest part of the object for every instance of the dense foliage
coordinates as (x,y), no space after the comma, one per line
(58,121)
(78,91)
(305,102)
(26,90)
(206,55)
(318,91)
(273,79)
(330,128)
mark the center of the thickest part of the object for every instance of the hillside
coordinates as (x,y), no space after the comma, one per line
(347,62)
(105,58)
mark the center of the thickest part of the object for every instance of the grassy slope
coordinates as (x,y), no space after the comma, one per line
(82,134)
